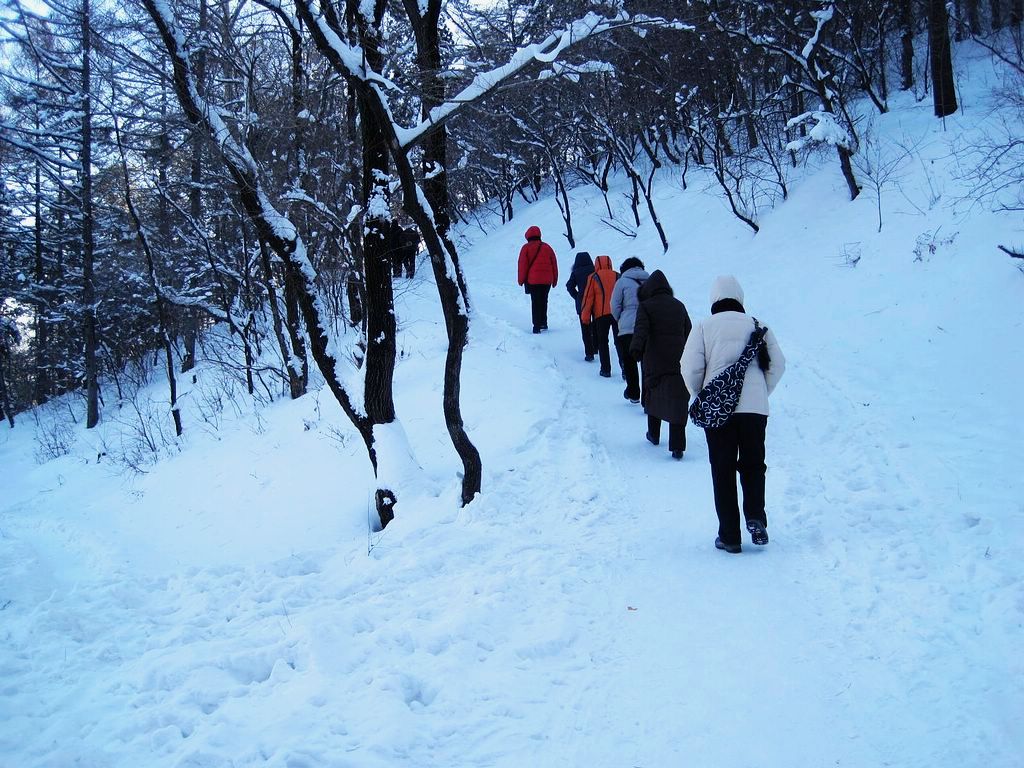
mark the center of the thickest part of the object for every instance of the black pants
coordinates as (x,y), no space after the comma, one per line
(589,347)
(601,326)
(629,366)
(676,433)
(539,305)
(738,445)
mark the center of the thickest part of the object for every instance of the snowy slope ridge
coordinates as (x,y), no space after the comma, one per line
(222,610)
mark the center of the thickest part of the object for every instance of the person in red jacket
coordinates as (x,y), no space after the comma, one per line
(597,308)
(538,272)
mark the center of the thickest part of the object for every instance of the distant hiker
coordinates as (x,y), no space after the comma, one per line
(582,268)
(659,335)
(538,273)
(624,305)
(597,309)
(715,345)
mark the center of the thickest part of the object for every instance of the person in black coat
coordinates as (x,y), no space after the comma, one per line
(582,268)
(659,335)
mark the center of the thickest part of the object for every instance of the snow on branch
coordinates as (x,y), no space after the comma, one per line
(574,71)
(823,17)
(826,130)
(545,52)
(350,56)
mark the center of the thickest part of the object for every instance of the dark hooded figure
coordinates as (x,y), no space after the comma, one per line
(582,268)
(659,336)
(538,273)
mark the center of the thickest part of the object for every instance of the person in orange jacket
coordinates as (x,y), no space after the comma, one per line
(538,273)
(597,308)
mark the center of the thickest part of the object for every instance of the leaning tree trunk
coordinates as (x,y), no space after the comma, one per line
(453,293)
(943,87)
(279,232)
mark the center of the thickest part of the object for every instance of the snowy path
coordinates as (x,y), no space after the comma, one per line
(827,647)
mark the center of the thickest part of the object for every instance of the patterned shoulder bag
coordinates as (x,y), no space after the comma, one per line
(716,402)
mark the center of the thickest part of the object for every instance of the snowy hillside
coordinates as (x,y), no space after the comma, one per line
(223,609)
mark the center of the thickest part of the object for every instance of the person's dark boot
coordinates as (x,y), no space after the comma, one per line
(758,533)
(732,549)
(606,374)
(652,440)
(678,456)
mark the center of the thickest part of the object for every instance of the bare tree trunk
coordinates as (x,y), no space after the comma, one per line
(293,370)
(381,326)
(453,294)
(41,385)
(562,198)
(154,286)
(298,166)
(906,44)
(88,242)
(5,401)
(190,331)
(294,323)
(941,59)
(974,16)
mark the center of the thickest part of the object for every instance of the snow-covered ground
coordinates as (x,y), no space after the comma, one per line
(223,609)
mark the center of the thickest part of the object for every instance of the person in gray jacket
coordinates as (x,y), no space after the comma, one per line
(624,304)
(738,445)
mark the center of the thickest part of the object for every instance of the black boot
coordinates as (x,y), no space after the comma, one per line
(732,549)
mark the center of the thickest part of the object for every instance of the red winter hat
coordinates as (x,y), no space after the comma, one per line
(533,233)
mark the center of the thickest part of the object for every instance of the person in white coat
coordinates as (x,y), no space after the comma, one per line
(738,445)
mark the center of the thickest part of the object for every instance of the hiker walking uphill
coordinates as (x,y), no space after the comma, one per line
(734,363)
(597,309)
(659,335)
(582,269)
(538,273)
(624,306)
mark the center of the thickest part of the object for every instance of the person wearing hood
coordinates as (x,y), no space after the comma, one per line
(624,306)
(659,334)
(597,308)
(737,445)
(582,269)
(538,273)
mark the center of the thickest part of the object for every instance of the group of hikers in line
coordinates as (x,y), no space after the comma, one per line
(664,360)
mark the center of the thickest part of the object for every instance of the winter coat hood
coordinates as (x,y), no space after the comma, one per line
(726,287)
(597,296)
(533,233)
(656,283)
(583,260)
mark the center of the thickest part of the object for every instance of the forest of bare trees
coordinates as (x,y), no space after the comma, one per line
(268,166)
